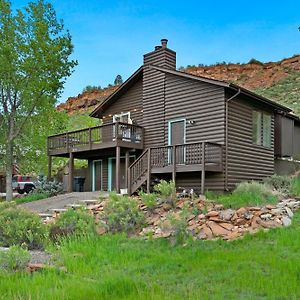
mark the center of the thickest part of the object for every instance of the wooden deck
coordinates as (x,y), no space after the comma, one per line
(193,157)
(95,138)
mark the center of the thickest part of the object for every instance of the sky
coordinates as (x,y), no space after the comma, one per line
(110,37)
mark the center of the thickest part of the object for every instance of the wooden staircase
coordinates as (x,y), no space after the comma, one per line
(138,172)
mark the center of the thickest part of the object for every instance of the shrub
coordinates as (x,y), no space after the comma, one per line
(51,188)
(167,190)
(14,259)
(122,214)
(247,194)
(179,226)
(19,227)
(72,222)
(279,183)
(150,200)
(295,186)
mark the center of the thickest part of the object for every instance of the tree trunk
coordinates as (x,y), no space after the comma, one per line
(9,169)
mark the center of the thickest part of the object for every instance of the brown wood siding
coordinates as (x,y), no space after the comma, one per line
(296,151)
(153,108)
(130,101)
(164,58)
(246,161)
(204,104)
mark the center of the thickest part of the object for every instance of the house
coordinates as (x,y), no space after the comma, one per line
(161,123)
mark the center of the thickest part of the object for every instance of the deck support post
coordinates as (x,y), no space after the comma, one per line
(126,168)
(71,172)
(174,163)
(149,170)
(203,169)
(49,167)
(118,173)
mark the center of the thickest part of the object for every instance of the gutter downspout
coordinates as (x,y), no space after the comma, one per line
(226,136)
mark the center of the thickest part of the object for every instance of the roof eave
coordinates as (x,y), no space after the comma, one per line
(96,113)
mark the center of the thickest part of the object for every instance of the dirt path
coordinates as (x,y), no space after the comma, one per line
(60,201)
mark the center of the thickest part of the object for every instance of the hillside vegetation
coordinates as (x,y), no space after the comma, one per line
(279,81)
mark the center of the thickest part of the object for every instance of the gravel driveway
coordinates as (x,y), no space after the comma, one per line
(60,201)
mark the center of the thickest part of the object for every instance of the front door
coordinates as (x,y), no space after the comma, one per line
(97,175)
(177,137)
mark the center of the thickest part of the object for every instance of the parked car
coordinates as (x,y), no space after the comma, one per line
(23,184)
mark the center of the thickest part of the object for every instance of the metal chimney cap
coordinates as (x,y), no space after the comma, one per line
(164,43)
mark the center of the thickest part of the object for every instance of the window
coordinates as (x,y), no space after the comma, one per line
(123,118)
(261,128)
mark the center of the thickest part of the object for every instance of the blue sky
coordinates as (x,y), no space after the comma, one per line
(110,37)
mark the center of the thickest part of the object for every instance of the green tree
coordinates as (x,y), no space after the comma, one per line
(118,80)
(35,60)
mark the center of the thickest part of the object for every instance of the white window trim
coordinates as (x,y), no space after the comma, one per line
(120,115)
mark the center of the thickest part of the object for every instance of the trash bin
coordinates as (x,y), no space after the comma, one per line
(78,184)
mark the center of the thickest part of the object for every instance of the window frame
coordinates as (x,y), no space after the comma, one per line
(263,122)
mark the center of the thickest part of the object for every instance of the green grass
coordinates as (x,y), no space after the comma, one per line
(295,186)
(245,194)
(31,197)
(262,266)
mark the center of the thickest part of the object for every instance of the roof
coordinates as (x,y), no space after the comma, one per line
(139,72)
(117,93)
(225,84)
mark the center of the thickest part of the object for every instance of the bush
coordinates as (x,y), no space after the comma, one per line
(51,188)
(72,222)
(295,186)
(280,183)
(255,61)
(249,194)
(167,190)
(122,214)
(14,259)
(150,200)
(20,227)
(179,226)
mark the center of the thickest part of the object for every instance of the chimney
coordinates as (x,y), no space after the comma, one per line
(162,56)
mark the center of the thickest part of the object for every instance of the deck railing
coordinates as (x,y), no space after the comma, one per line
(166,157)
(87,138)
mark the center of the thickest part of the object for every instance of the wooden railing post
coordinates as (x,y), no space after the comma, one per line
(117,130)
(149,170)
(90,138)
(203,169)
(174,163)
(67,142)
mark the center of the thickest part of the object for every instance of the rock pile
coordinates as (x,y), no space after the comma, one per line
(206,220)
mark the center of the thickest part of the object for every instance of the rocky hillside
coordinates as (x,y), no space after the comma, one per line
(85,101)
(279,81)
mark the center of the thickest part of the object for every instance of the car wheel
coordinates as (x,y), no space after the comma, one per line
(20,191)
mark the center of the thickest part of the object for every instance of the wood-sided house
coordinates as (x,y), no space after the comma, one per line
(205,134)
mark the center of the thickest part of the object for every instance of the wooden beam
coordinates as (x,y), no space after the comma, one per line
(71,172)
(149,170)
(174,163)
(126,168)
(49,167)
(203,169)
(118,168)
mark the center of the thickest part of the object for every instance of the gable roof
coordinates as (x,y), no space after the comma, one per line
(228,85)
(118,92)
(139,73)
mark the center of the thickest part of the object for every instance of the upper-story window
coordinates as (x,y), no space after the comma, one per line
(261,128)
(122,117)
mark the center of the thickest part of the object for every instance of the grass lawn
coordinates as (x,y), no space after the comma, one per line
(31,197)
(262,266)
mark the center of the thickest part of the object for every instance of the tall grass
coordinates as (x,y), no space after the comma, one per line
(246,194)
(262,266)
(295,186)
